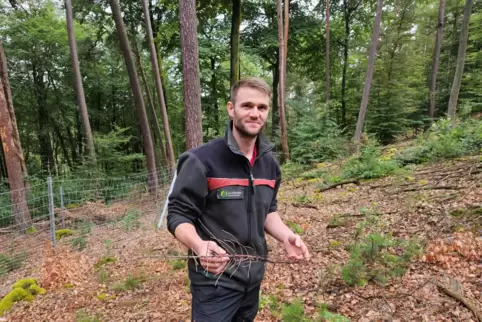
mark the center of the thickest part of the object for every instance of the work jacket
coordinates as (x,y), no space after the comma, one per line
(227,200)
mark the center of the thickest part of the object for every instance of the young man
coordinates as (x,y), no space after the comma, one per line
(223,202)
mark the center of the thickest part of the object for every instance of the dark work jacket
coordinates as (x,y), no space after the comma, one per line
(227,200)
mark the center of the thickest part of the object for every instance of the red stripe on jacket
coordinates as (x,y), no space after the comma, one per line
(216,183)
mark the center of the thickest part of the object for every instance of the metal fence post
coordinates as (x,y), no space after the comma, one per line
(51,210)
(62,206)
(164,210)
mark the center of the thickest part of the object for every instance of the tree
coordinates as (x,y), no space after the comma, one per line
(235,24)
(436,59)
(79,88)
(454,93)
(285,36)
(369,75)
(190,74)
(160,94)
(12,150)
(138,99)
(327,51)
(282,67)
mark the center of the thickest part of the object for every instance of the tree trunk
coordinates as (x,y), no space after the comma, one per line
(345,63)
(369,75)
(138,99)
(157,127)
(190,74)
(454,93)
(282,67)
(79,88)
(285,36)
(160,94)
(235,24)
(214,98)
(327,52)
(12,151)
(275,114)
(436,58)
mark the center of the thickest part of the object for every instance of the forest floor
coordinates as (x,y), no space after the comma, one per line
(439,205)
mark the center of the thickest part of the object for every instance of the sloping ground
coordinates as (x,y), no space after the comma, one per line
(427,205)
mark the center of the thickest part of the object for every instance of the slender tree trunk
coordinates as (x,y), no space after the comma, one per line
(190,74)
(454,93)
(275,121)
(12,151)
(284,135)
(369,75)
(214,98)
(327,52)
(138,99)
(235,24)
(285,36)
(157,127)
(160,93)
(345,64)
(79,88)
(436,59)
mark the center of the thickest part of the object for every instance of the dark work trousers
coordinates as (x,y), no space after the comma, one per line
(220,304)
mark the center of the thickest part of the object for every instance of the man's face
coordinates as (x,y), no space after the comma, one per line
(250,111)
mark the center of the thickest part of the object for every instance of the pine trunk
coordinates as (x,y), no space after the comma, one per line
(235,24)
(369,75)
(285,36)
(138,99)
(190,74)
(436,59)
(159,89)
(284,136)
(327,52)
(459,71)
(12,151)
(79,88)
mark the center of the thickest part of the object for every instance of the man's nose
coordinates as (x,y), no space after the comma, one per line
(254,112)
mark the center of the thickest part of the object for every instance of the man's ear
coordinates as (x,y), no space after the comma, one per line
(230,108)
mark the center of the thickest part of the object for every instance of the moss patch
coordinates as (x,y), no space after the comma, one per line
(23,290)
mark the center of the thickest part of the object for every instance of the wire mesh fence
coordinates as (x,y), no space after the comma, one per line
(80,212)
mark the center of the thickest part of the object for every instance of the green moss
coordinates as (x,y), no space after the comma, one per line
(105,260)
(23,290)
(31,230)
(62,233)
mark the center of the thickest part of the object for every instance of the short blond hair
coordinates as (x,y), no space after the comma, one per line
(251,82)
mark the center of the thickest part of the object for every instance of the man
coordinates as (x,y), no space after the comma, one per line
(223,202)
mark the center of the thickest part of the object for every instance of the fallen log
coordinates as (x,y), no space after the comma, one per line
(341,183)
(432,188)
(459,298)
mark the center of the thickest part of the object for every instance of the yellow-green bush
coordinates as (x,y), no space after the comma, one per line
(23,290)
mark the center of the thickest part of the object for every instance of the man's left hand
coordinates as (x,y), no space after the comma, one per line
(296,248)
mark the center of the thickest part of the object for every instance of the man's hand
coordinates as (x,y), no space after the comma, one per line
(212,257)
(295,248)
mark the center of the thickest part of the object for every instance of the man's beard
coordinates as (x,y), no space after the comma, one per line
(244,133)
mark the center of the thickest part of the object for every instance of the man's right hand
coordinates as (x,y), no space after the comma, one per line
(212,257)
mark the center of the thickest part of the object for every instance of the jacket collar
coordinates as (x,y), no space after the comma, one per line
(263,145)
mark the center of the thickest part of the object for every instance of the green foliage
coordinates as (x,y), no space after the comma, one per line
(326,315)
(83,316)
(302,199)
(177,264)
(104,260)
(378,257)
(10,262)
(131,220)
(295,227)
(130,283)
(292,170)
(369,164)
(443,141)
(293,312)
(79,243)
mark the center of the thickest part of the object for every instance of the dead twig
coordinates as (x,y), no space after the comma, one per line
(459,298)
(432,188)
(300,205)
(334,185)
(235,257)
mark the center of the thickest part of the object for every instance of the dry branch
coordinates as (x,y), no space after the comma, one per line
(459,298)
(432,188)
(334,185)
(300,205)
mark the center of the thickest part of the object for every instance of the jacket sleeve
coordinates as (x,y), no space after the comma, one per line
(274,201)
(187,198)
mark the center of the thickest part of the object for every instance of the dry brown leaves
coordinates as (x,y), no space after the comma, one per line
(458,248)
(63,266)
